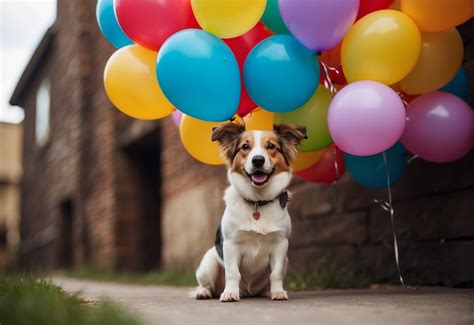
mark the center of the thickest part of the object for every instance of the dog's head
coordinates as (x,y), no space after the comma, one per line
(259,161)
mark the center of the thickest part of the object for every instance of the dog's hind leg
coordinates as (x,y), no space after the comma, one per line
(210,276)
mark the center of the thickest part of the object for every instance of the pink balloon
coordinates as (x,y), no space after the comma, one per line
(366,118)
(177,116)
(439,127)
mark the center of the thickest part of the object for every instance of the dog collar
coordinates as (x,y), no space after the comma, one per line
(282,198)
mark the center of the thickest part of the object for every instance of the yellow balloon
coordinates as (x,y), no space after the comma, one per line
(131,84)
(228,18)
(438,15)
(196,138)
(259,119)
(440,59)
(304,160)
(382,46)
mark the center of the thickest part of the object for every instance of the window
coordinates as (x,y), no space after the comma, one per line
(43,103)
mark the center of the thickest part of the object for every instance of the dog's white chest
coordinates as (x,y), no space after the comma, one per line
(239,216)
(272,219)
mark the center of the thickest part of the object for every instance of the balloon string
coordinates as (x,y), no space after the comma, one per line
(336,165)
(387,206)
(413,158)
(402,97)
(328,82)
(334,182)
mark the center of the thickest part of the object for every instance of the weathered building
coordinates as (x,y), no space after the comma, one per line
(103,189)
(10,176)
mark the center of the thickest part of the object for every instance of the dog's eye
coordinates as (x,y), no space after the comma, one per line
(245,147)
(271,146)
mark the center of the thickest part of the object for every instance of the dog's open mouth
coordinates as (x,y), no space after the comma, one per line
(259,177)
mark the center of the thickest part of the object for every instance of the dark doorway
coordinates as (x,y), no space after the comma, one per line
(66,247)
(3,236)
(145,156)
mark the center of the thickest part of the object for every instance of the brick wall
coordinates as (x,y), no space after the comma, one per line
(10,174)
(51,172)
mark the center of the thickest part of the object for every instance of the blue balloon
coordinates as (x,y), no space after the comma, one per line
(458,85)
(370,171)
(199,75)
(109,25)
(280,74)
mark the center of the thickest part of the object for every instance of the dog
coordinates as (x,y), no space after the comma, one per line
(249,257)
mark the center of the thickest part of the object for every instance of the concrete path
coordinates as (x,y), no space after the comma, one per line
(390,305)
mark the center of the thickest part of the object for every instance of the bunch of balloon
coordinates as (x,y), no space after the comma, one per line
(345,69)
(411,51)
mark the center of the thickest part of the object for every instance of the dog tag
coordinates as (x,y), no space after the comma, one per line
(256,215)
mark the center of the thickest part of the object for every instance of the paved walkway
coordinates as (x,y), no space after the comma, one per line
(391,305)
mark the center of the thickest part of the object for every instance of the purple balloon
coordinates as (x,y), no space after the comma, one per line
(177,116)
(319,24)
(439,127)
(366,118)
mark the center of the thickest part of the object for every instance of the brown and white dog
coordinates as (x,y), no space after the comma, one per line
(250,253)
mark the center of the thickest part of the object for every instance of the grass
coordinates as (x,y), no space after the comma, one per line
(25,300)
(156,277)
(321,276)
(324,276)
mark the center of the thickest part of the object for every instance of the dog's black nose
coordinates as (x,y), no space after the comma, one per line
(258,161)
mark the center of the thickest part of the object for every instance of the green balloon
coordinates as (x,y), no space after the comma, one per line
(272,18)
(314,116)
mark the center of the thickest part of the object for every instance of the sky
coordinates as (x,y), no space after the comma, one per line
(22,25)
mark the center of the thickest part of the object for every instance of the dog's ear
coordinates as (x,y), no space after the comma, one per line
(228,136)
(291,136)
(227,132)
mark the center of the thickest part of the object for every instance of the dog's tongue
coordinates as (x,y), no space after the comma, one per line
(259,177)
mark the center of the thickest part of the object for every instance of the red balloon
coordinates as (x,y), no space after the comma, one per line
(335,73)
(241,47)
(368,6)
(325,170)
(149,22)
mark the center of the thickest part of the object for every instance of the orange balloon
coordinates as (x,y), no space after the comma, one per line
(440,59)
(406,99)
(396,5)
(259,119)
(304,160)
(438,15)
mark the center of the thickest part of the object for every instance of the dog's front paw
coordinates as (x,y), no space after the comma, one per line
(203,293)
(279,295)
(230,297)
